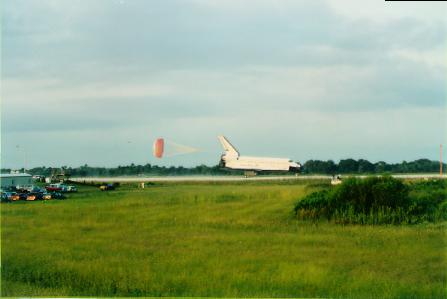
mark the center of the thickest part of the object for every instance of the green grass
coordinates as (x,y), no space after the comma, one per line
(211,239)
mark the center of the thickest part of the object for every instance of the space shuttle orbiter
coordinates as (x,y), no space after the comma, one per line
(233,160)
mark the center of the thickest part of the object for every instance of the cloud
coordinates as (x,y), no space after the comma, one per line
(195,68)
(383,12)
(201,93)
(184,35)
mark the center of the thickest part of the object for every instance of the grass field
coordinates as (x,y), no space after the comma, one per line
(211,239)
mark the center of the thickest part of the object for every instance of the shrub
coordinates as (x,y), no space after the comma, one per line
(376,200)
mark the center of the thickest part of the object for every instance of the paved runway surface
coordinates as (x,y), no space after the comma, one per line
(233,178)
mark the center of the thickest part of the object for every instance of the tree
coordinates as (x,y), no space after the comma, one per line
(365,166)
(348,166)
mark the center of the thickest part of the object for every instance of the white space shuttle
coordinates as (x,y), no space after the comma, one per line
(232,160)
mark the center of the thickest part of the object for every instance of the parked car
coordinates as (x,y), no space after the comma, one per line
(6,195)
(60,188)
(23,195)
(46,196)
(31,196)
(36,189)
(14,196)
(27,188)
(34,196)
(57,195)
(55,187)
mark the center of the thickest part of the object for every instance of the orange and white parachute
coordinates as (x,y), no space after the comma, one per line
(158,149)
(165,148)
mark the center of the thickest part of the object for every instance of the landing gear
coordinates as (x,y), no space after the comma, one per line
(248,174)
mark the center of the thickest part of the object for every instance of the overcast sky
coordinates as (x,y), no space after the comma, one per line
(97,81)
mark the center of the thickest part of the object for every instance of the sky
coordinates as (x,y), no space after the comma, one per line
(95,82)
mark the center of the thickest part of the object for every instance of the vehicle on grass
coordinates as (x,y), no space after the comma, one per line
(53,187)
(57,195)
(36,189)
(27,188)
(336,180)
(23,196)
(107,187)
(7,195)
(46,196)
(56,187)
(34,196)
(71,188)
(30,196)
(20,188)
(14,196)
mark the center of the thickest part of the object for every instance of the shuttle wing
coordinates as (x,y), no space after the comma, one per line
(228,147)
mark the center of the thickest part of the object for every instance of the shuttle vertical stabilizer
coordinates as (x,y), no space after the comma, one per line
(230,150)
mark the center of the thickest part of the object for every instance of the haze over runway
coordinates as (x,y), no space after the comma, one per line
(198,178)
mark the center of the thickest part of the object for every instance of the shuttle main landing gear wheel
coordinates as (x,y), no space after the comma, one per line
(248,174)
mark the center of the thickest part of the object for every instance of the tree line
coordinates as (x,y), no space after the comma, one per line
(344,166)
(365,167)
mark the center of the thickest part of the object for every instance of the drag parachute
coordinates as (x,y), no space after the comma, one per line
(165,148)
(159,145)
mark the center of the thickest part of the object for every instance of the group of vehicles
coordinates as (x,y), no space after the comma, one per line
(32,193)
(50,191)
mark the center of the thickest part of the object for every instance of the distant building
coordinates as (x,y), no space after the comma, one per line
(15,179)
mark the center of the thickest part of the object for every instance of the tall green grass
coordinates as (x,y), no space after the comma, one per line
(197,239)
(377,200)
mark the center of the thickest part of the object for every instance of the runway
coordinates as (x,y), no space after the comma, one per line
(124,179)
